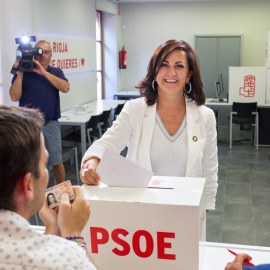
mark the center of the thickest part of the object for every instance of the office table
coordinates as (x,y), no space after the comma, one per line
(212,102)
(69,118)
(126,95)
(263,109)
(215,255)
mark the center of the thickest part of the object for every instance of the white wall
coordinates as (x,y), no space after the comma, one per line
(61,18)
(146,26)
(15,19)
(149,24)
(74,19)
(110,64)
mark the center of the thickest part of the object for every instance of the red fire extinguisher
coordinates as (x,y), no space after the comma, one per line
(123,58)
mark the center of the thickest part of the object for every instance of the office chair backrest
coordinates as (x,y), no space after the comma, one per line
(244,110)
(104,118)
(93,124)
(264,118)
(118,109)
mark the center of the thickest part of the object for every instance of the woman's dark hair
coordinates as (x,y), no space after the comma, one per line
(51,194)
(197,93)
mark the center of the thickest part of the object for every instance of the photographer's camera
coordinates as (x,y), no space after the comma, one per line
(25,53)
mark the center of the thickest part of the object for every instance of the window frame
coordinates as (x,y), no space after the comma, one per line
(100,92)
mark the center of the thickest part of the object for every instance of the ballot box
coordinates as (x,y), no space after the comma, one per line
(247,84)
(158,227)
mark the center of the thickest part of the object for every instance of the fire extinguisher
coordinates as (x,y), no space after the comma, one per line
(123,58)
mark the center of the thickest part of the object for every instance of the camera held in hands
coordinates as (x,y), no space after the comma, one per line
(25,53)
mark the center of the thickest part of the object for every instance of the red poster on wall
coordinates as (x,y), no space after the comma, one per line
(72,55)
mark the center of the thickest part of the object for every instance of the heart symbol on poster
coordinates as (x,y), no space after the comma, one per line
(82,61)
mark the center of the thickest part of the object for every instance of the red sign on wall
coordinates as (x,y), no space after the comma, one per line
(72,55)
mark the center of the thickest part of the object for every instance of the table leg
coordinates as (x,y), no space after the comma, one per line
(83,138)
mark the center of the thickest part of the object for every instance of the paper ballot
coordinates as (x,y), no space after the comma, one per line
(117,171)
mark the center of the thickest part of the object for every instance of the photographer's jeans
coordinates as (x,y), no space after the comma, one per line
(52,137)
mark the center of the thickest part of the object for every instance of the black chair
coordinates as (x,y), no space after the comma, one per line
(105,120)
(244,114)
(118,109)
(93,131)
(264,124)
(73,156)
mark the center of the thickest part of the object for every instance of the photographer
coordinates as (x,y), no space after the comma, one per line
(40,89)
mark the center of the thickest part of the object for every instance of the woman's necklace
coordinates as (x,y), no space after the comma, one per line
(168,116)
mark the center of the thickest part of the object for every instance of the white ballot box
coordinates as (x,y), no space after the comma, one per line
(158,227)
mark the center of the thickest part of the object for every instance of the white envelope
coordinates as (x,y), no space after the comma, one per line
(117,171)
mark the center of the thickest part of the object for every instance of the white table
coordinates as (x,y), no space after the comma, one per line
(70,118)
(214,256)
(127,95)
(216,106)
(213,102)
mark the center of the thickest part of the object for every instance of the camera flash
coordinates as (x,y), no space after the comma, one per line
(25,39)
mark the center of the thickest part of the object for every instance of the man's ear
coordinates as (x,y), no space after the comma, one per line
(25,188)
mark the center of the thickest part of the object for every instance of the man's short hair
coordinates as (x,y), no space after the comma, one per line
(43,41)
(20,148)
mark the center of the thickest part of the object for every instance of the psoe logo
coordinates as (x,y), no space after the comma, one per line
(249,87)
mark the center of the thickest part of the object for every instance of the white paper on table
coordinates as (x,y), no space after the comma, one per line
(117,171)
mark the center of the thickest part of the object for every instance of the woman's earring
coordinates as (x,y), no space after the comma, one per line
(187,88)
(154,85)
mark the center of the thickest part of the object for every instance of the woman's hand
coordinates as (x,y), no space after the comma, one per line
(90,176)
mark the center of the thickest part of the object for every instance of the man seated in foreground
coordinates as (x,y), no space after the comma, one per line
(23,181)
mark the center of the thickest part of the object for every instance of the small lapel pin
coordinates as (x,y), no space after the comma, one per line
(194,138)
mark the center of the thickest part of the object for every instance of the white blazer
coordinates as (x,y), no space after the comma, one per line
(134,128)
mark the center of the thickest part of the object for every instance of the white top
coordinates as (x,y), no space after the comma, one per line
(22,247)
(169,149)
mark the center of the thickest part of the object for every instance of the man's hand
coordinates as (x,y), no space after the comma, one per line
(19,73)
(61,84)
(39,68)
(90,177)
(238,262)
(16,64)
(49,218)
(15,90)
(72,217)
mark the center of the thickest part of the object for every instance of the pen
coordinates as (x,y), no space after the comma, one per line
(84,171)
(247,261)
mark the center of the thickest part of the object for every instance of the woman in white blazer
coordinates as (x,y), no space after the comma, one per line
(167,130)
